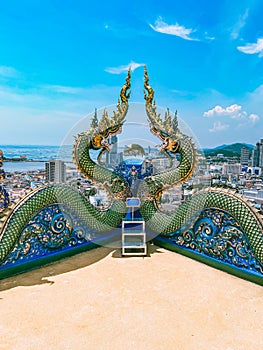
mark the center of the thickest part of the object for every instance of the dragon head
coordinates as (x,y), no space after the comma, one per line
(169,143)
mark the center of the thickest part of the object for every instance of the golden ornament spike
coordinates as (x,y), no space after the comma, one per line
(148,97)
(124,95)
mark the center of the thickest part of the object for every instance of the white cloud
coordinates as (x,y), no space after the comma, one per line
(253,118)
(233,111)
(8,72)
(64,89)
(253,48)
(239,25)
(173,29)
(208,37)
(122,69)
(250,121)
(218,126)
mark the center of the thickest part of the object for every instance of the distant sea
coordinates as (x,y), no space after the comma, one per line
(38,154)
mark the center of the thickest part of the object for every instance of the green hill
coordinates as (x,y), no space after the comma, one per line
(233,150)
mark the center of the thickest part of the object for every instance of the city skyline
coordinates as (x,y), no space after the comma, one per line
(59,61)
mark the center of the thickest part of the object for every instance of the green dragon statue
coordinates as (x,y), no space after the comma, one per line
(174,141)
(17,216)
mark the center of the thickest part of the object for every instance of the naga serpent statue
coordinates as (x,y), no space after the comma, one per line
(196,224)
(15,218)
(174,141)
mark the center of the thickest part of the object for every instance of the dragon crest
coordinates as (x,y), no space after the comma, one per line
(101,131)
(165,129)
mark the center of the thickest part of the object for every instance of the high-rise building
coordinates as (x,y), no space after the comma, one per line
(56,171)
(112,156)
(257,155)
(2,173)
(261,153)
(244,158)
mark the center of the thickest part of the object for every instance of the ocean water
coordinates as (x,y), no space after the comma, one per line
(12,167)
(39,154)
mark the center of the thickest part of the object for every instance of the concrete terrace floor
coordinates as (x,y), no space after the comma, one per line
(98,300)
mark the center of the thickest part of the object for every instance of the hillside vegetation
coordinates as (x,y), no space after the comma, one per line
(233,150)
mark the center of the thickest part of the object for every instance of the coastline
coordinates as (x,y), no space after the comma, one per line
(18,160)
(24,166)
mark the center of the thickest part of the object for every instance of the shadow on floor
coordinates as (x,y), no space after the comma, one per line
(151,249)
(41,275)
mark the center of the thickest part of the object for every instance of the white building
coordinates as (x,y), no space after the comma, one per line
(254,171)
(254,194)
(231,168)
(55,171)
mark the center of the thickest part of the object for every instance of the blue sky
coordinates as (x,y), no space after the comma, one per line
(61,59)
